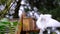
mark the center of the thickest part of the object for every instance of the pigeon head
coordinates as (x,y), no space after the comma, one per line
(45,17)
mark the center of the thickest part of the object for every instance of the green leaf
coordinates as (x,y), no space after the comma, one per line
(15,23)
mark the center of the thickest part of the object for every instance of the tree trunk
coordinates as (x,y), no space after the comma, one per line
(17,9)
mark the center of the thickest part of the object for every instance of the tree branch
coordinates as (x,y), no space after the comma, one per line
(2,13)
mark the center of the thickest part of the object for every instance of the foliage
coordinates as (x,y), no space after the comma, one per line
(48,7)
(6,25)
(55,13)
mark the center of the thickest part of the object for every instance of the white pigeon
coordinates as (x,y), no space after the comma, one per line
(53,23)
(20,13)
(23,2)
(21,9)
(36,15)
(41,23)
(2,7)
(45,21)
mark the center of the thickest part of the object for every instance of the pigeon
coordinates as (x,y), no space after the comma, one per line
(46,20)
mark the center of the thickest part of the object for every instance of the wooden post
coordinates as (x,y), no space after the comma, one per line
(20,24)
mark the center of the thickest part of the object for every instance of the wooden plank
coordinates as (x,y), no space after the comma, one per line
(26,24)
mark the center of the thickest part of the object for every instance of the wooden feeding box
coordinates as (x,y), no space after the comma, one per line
(28,24)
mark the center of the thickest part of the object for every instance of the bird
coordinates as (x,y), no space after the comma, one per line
(20,13)
(46,20)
